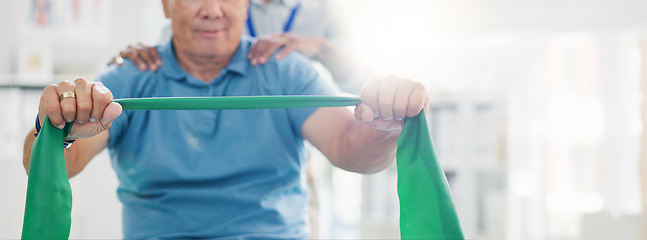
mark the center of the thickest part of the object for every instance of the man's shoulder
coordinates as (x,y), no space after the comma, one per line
(125,71)
(126,80)
(293,59)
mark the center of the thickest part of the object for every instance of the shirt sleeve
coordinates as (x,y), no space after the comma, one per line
(299,77)
(123,81)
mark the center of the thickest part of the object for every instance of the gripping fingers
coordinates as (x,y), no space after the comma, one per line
(101,97)
(417,100)
(83,100)
(370,94)
(68,105)
(112,111)
(50,106)
(364,113)
(386,99)
(401,101)
(392,97)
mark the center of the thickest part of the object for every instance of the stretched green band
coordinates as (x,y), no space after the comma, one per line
(238,102)
(426,206)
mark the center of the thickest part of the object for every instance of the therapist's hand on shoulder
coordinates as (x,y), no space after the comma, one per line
(88,104)
(387,100)
(143,56)
(263,49)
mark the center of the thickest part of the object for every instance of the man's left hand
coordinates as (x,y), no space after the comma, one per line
(386,101)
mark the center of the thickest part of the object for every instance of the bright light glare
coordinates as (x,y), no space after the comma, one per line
(578,120)
(574,202)
(391,37)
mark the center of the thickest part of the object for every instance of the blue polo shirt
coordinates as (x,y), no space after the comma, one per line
(212,173)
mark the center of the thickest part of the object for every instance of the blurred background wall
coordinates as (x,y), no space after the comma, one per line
(536,110)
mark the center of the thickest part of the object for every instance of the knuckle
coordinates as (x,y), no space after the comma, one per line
(366,94)
(50,88)
(386,111)
(80,81)
(421,97)
(55,120)
(400,109)
(103,97)
(416,100)
(84,107)
(375,80)
(384,102)
(414,109)
(419,86)
(68,109)
(51,108)
(416,106)
(66,84)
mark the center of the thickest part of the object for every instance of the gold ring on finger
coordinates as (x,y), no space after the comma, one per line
(66,95)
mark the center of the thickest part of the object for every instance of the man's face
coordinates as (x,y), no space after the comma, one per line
(206,28)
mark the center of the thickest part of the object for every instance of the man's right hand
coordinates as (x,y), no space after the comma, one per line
(91,109)
(144,57)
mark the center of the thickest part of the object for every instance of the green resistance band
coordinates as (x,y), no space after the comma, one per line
(426,206)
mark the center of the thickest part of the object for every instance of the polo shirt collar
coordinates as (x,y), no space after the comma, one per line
(172,70)
(239,62)
(170,67)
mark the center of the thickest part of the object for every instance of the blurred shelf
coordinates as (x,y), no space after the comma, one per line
(14,86)
(36,82)
(468,131)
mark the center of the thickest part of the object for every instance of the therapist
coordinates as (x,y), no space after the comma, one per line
(220,173)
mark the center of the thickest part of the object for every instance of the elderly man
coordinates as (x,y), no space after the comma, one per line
(313,28)
(221,173)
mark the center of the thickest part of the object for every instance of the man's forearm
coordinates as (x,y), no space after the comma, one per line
(75,158)
(26,156)
(368,150)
